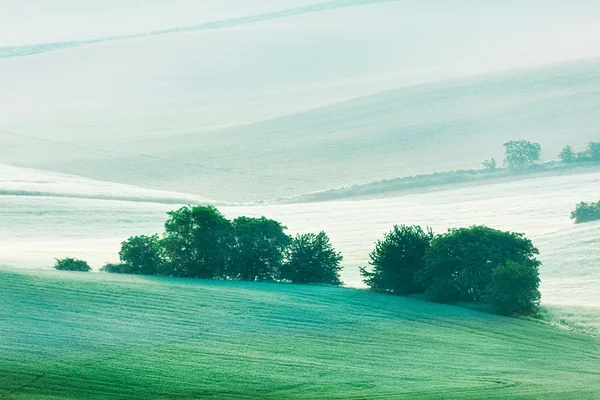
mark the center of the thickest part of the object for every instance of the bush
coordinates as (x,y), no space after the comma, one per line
(72,264)
(514,289)
(586,212)
(312,259)
(520,154)
(140,255)
(397,258)
(459,265)
(116,268)
(258,249)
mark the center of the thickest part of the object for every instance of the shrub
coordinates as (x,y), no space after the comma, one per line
(586,212)
(459,264)
(312,259)
(397,258)
(514,289)
(520,154)
(116,268)
(258,249)
(71,264)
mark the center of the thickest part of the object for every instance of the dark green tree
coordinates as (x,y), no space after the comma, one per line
(513,290)
(71,264)
(140,255)
(567,155)
(459,264)
(197,243)
(586,212)
(312,259)
(397,258)
(258,249)
(520,154)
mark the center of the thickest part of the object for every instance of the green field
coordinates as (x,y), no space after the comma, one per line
(95,336)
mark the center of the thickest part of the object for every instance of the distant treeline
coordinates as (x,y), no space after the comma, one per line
(586,212)
(521,157)
(477,264)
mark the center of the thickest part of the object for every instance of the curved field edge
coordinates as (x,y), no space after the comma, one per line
(93,336)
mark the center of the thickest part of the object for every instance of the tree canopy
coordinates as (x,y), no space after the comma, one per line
(397,258)
(513,289)
(520,154)
(312,259)
(197,242)
(459,264)
(140,255)
(258,249)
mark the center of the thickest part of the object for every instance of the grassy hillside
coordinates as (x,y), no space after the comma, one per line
(71,336)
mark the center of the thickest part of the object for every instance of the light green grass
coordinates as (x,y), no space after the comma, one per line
(94,336)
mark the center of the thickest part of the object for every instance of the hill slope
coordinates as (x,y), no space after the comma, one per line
(261,110)
(94,336)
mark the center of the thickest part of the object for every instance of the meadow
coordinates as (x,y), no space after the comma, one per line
(72,336)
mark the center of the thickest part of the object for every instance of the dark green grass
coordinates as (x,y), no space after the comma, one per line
(93,336)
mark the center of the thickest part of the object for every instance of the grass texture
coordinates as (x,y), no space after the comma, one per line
(95,336)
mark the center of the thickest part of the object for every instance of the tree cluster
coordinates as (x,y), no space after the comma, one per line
(476,264)
(199,242)
(590,154)
(586,212)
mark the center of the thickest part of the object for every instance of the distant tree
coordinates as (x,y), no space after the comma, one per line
(520,154)
(197,243)
(312,259)
(116,268)
(258,249)
(490,165)
(567,155)
(459,264)
(140,255)
(586,212)
(593,151)
(72,264)
(513,289)
(397,258)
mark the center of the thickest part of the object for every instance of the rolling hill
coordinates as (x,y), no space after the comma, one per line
(71,336)
(306,101)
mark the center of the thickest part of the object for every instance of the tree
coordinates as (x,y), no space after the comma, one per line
(459,264)
(312,259)
(514,289)
(567,155)
(490,165)
(586,212)
(258,249)
(140,255)
(593,151)
(520,154)
(72,264)
(197,243)
(397,258)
